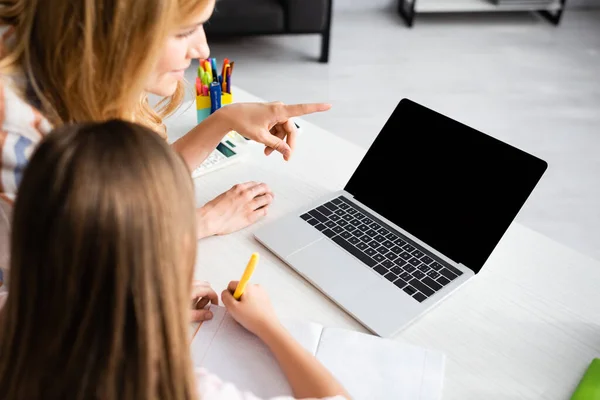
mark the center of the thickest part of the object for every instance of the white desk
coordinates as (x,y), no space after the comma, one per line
(526,327)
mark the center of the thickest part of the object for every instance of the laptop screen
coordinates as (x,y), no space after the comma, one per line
(451,186)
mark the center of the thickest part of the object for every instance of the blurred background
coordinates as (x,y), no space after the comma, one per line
(524,71)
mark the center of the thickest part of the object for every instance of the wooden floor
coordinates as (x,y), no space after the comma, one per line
(513,76)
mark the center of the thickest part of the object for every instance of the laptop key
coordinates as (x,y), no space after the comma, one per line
(396,269)
(418,274)
(426,290)
(420,297)
(400,262)
(324,210)
(337,229)
(388,244)
(378,257)
(342,222)
(442,281)
(379,238)
(408,247)
(343,206)
(405,256)
(371,232)
(431,283)
(414,262)
(320,227)
(390,277)
(391,236)
(335,217)
(400,283)
(330,206)
(305,217)
(355,222)
(388,264)
(427,260)
(329,233)
(423,268)
(330,224)
(408,268)
(340,213)
(455,271)
(374,225)
(346,235)
(446,272)
(436,265)
(348,217)
(399,242)
(432,274)
(318,215)
(313,221)
(367,221)
(391,256)
(359,216)
(363,227)
(410,290)
(350,228)
(354,251)
(383,231)
(396,249)
(351,211)
(354,240)
(337,201)
(381,270)
(370,252)
(418,254)
(405,275)
(362,246)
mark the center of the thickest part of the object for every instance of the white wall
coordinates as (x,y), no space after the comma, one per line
(345,5)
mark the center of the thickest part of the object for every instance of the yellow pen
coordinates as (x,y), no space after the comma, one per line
(239,290)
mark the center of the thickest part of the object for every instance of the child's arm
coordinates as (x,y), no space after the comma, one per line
(305,374)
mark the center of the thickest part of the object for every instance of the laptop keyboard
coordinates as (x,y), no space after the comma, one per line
(386,251)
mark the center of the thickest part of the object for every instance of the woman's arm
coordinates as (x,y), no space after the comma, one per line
(198,143)
(266,123)
(307,377)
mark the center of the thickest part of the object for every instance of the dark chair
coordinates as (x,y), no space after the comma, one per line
(267,17)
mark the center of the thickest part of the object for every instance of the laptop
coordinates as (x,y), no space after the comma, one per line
(418,218)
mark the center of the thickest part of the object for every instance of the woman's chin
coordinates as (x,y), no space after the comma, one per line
(164,90)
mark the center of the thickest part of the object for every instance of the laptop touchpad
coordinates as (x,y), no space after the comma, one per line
(287,235)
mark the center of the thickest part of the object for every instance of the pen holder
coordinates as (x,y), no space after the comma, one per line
(203,105)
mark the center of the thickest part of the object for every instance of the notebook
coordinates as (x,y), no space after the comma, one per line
(369,367)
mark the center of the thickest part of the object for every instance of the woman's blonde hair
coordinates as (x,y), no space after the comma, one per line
(102,255)
(89,60)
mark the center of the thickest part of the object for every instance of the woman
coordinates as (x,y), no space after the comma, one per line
(93,60)
(102,265)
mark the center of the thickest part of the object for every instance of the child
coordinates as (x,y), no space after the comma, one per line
(103,251)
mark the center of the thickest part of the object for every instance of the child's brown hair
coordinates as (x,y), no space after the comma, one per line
(102,255)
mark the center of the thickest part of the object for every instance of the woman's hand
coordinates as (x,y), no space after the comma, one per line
(240,206)
(269,123)
(253,310)
(202,294)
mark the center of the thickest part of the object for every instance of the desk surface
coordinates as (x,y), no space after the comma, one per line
(526,327)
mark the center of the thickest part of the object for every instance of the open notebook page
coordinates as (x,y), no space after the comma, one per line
(226,349)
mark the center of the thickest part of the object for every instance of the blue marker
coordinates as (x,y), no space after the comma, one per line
(215,96)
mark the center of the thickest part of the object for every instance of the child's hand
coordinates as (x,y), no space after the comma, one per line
(202,294)
(253,310)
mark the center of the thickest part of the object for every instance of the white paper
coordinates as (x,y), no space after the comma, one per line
(370,367)
(226,349)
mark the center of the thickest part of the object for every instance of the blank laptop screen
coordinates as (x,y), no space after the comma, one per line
(451,186)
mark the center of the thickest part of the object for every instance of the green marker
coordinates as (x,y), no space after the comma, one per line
(589,386)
